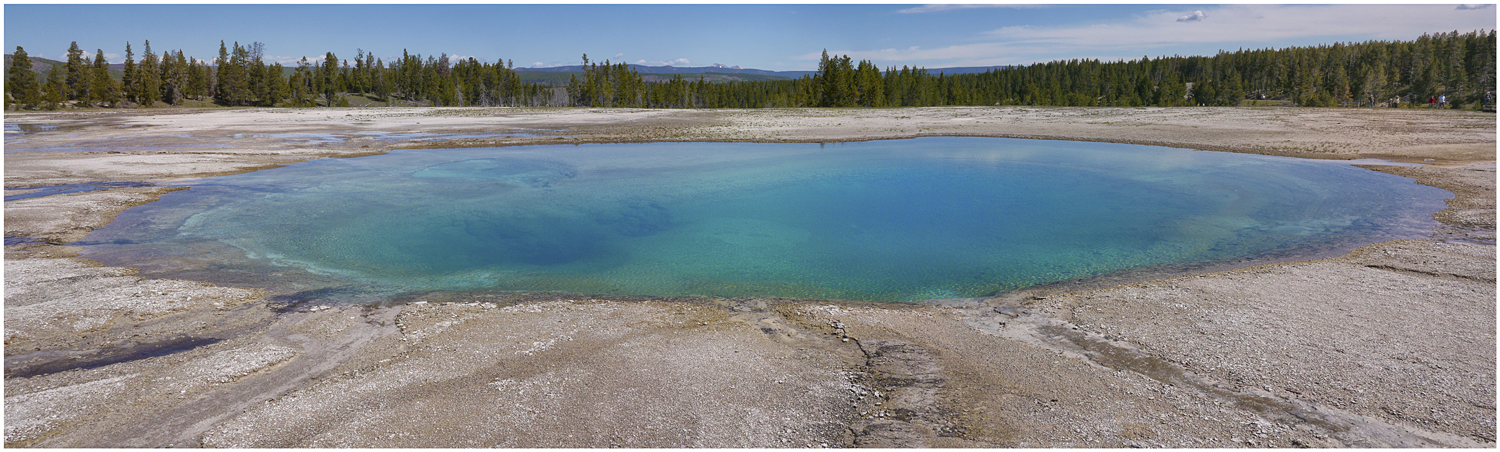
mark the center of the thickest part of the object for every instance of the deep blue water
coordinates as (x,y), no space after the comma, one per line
(897,220)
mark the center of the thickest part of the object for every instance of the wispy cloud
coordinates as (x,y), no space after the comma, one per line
(1249,24)
(1166,31)
(1196,16)
(941,8)
(1468,7)
(677,62)
(977,54)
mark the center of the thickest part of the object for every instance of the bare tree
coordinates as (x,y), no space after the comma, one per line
(256,51)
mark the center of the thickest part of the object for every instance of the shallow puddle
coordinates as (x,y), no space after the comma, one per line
(47,190)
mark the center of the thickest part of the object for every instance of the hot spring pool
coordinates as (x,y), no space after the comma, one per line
(898,220)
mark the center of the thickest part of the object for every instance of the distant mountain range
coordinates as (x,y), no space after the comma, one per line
(715,68)
(722,69)
(550,75)
(39,65)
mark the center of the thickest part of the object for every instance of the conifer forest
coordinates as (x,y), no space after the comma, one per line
(1457,66)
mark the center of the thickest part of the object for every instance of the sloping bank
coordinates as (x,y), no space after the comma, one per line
(1389,346)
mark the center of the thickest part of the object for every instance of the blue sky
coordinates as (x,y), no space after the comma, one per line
(761,36)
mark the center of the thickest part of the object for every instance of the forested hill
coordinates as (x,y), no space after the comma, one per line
(1459,67)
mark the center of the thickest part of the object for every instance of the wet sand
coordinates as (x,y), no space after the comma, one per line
(1392,345)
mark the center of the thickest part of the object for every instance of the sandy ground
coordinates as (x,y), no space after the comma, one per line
(1392,345)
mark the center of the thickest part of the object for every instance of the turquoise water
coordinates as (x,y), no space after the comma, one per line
(897,220)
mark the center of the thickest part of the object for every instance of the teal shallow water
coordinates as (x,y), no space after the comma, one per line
(898,220)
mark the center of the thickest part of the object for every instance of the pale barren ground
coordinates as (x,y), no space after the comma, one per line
(1392,345)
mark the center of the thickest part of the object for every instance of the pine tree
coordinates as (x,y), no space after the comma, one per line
(57,87)
(150,74)
(1171,90)
(1233,90)
(346,77)
(360,77)
(130,80)
(174,77)
(233,88)
(277,87)
(20,82)
(328,75)
(371,74)
(380,81)
(827,79)
(257,74)
(871,88)
(260,81)
(837,82)
(301,85)
(104,90)
(220,65)
(78,74)
(197,80)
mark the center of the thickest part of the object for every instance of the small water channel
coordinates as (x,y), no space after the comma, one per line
(17,138)
(899,220)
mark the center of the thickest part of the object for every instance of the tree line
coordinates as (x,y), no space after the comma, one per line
(240,76)
(1460,67)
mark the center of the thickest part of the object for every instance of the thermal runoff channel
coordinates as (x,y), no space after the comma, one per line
(899,220)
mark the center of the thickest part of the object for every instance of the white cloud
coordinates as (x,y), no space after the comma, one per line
(454,59)
(1196,16)
(677,62)
(537,64)
(1467,7)
(617,55)
(284,60)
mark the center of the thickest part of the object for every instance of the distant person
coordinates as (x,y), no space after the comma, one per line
(1431,102)
(1443,101)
